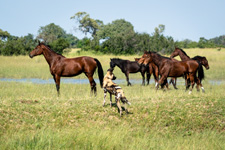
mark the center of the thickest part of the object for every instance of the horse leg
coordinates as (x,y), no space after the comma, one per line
(148,75)
(105,93)
(192,79)
(149,72)
(175,83)
(57,83)
(143,78)
(156,75)
(161,81)
(92,83)
(198,83)
(128,82)
(203,90)
(164,84)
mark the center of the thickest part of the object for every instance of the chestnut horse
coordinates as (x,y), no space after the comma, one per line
(169,68)
(153,69)
(184,56)
(61,66)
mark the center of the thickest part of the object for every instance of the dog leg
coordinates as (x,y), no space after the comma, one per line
(110,100)
(105,93)
(118,103)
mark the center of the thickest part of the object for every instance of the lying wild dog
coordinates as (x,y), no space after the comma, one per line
(113,89)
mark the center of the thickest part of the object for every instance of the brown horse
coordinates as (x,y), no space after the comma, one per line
(183,56)
(153,69)
(61,66)
(169,68)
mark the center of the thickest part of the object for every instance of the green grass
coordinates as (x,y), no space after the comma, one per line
(33,117)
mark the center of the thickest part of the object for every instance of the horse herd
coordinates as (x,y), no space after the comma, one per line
(149,63)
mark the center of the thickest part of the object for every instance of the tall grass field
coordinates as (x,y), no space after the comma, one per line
(32,116)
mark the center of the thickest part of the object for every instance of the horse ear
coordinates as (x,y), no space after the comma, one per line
(39,42)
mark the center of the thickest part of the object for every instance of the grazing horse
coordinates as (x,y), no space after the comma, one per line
(128,67)
(61,66)
(169,68)
(183,56)
(153,69)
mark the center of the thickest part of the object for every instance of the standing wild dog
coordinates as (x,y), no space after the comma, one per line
(113,89)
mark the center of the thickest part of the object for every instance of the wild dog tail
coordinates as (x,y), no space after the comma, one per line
(100,72)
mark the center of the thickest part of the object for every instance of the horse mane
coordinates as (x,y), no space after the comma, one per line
(48,47)
(197,57)
(183,51)
(118,59)
(160,55)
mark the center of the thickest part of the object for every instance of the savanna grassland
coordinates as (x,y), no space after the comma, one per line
(33,117)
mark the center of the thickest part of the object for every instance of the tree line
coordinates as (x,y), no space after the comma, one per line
(117,37)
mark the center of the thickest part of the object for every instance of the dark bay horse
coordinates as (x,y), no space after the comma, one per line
(183,56)
(169,68)
(128,67)
(61,66)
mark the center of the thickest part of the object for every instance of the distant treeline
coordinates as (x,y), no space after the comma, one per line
(117,38)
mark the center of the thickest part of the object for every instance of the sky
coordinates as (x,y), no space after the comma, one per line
(183,19)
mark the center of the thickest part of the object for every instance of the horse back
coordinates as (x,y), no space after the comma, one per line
(75,66)
(133,67)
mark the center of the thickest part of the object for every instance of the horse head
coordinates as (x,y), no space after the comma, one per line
(112,63)
(146,58)
(38,50)
(175,53)
(205,63)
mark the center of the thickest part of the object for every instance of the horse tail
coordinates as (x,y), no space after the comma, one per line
(100,72)
(201,74)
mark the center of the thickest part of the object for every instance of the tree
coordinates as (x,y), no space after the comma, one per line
(50,32)
(87,24)
(4,34)
(161,43)
(59,45)
(118,37)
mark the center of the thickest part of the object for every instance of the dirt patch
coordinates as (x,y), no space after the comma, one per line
(28,101)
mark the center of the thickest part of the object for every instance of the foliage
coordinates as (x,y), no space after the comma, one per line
(59,45)
(18,45)
(219,40)
(118,37)
(50,32)
(3,34)
(87,24)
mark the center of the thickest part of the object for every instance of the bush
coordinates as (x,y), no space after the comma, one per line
(59,45)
